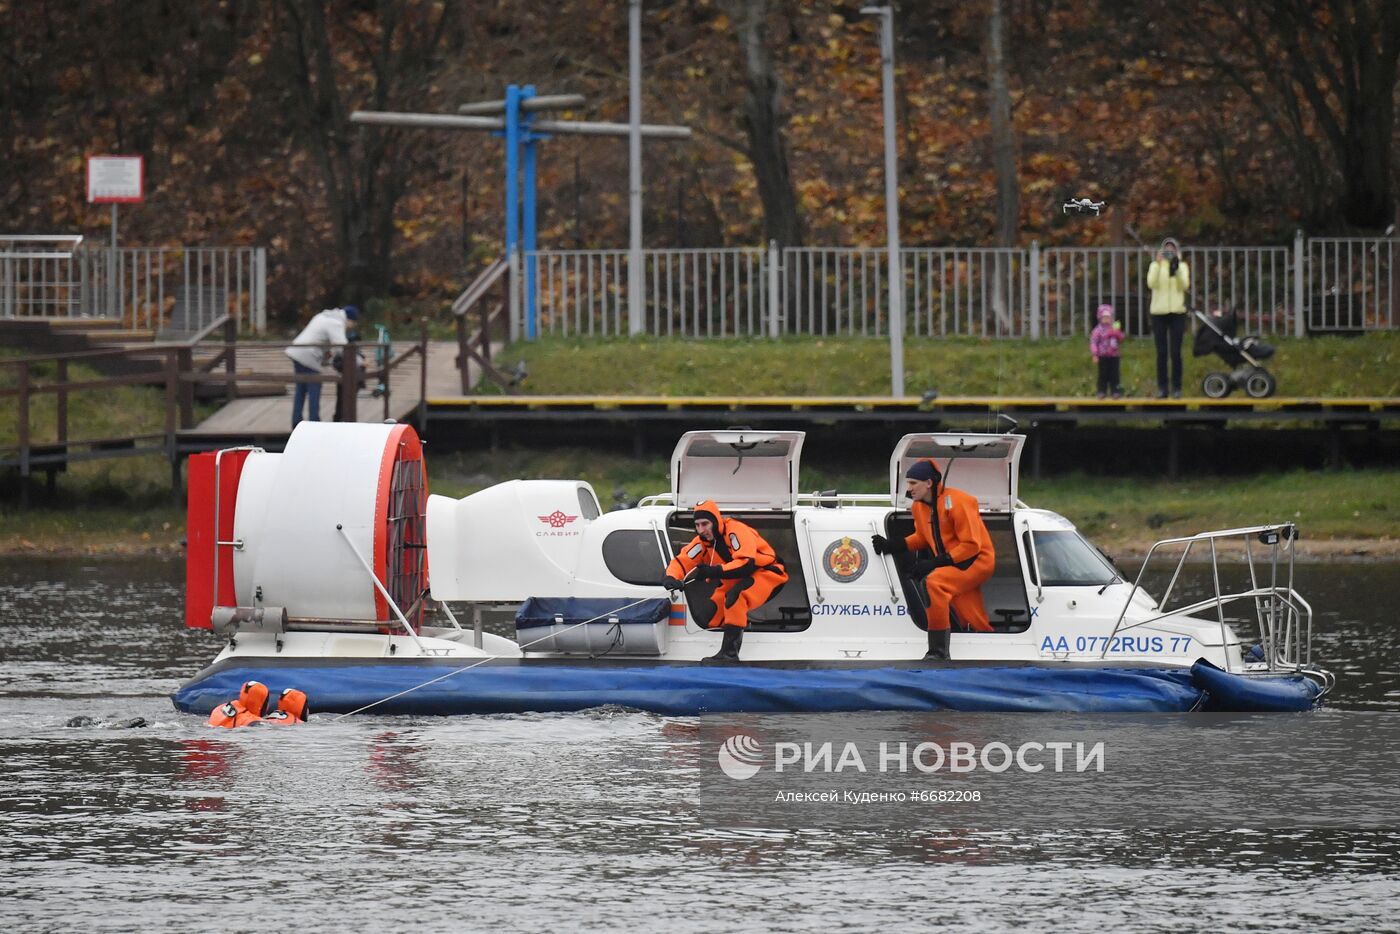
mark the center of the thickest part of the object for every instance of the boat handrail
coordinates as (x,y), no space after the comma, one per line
(1283,615)
(817,498)
(1225,533)
(1293,601)
(236,543)
(807,499)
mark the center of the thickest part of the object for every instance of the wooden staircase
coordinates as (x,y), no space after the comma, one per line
(38,336)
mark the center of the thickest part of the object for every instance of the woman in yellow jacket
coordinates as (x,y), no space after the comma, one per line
(1168,278)
(727,570)
(948,523)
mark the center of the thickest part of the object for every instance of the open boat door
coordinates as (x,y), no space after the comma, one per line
(737,468)
(985,466)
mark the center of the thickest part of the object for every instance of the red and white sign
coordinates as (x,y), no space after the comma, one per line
(557,519)
(116,179)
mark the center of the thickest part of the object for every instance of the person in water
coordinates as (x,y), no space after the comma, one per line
(246,710)
(947,522)
(727,571)
(291,709)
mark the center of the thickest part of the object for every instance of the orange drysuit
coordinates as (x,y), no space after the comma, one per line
(750,572)
(291,709)
(252,699)
(960,534)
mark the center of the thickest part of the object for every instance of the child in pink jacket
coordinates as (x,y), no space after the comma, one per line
(1104,343)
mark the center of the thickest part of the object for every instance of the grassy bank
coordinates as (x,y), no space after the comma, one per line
(105,412)
(115,505)
(1368,365)
(1355,511)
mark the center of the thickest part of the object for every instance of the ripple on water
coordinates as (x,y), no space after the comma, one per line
(524,822)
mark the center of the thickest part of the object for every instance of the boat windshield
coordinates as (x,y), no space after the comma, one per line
(1067,560)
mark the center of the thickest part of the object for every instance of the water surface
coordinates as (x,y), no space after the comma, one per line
(608,818)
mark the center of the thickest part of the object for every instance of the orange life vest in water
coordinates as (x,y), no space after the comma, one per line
(291,709)
(252,700)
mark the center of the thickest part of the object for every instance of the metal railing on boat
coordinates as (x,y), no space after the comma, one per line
(1283,616)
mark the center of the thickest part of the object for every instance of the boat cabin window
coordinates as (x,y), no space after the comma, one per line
(1067,560)
(634,556)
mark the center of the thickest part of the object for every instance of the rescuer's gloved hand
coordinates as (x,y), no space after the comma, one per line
(928,566)
(707,572)
(888,546)
(670,583)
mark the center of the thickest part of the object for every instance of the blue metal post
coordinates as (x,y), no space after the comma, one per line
(528,138)
(512,117)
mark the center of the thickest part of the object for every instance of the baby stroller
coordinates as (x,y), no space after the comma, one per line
(1216,335)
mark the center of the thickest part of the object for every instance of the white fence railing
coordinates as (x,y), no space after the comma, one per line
(1257,282)
(1351,283)
(1318,285)
(175,290)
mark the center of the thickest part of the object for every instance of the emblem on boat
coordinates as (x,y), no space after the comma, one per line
(740,757)
(844,560)
(557,519)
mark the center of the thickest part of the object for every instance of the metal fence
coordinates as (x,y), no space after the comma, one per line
(1351,283)
(1315,286)
(171,290)
(688,293)
(1255,282)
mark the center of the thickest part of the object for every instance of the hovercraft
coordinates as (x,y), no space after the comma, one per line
(312,566)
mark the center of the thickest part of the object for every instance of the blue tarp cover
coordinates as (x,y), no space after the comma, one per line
(512,686)
(541,611)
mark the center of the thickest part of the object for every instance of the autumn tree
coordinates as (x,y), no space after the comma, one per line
(364,171)
(763,121)
(122,77)
(1313,69)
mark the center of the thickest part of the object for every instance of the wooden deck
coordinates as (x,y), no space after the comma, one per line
(271,415)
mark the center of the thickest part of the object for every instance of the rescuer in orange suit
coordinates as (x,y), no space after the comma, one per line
(252,700)
(291,709)
(963,556)
(727,570)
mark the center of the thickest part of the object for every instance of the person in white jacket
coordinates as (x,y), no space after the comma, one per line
(310,348)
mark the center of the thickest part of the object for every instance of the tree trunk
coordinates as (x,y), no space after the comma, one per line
(1003,133)
(1004,162)
(1333,73)
(1368,200)
(763,123)
(364,172)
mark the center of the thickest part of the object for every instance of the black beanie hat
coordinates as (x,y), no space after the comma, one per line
(924,470)
(706,514)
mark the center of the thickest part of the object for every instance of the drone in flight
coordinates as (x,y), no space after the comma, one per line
(1082,206)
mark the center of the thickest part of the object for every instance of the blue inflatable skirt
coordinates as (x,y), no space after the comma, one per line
(442,687)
